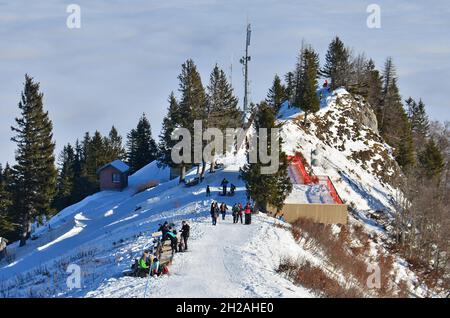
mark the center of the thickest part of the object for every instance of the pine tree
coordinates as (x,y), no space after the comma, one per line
(307,91)
(193,103)
(131,147)
(337,64)
(114,145)
(389,92)
(222,106)
(142,148)
(66,178)
(419,122)
(374,86)
(289,78)
(81,186)
(95,157)
(394,124)
(170,122)
(6,224)
(267,189)
(36,172)
(431,160)
(277,94)
(405,152)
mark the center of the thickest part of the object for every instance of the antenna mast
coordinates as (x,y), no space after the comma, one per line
(244,61)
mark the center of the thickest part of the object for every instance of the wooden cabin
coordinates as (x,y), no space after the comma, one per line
(114,176)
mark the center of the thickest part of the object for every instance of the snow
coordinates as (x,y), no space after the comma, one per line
(317,193)
(105,232)
(227,260)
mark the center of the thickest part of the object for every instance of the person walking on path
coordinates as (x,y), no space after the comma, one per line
(234,212)
(248,214)
(208,191)
(223,210)
(214,212)
(185,229)
(239,215)
(224,185)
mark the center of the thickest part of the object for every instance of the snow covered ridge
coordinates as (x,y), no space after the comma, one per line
(342,140)
(104,232)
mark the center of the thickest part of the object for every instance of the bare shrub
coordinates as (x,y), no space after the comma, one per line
(314,278)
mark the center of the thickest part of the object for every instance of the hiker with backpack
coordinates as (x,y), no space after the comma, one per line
(185,229)
(172,236)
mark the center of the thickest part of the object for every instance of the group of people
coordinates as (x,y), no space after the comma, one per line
(149,264)
(236,211)
(170,233)
(224,185)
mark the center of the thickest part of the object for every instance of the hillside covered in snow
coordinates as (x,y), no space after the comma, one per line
(105,232)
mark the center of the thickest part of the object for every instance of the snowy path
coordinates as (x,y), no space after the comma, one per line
(227,260)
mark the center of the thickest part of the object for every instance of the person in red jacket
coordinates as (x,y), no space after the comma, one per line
(248,213)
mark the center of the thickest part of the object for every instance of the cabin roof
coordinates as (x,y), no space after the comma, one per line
(117,164)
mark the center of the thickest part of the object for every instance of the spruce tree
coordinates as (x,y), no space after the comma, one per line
(170,122)
(222,106)
(308,100)
(6,224)
(289,79)
(80,183)
(277,94)
(142,148)
(66,178)
(267,189)
(131,147)
(337,64)
(405,152)
(394,124)
(35,168)
(95,157)
(193,103)
(114,145)
(389,92)
(374,86)
(431,160)
(419,122)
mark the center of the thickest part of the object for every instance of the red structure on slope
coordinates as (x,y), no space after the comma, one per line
(299,175)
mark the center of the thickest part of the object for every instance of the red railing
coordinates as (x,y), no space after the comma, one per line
(333,192)
(298,163)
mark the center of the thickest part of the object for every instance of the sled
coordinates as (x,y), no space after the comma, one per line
(192,182)
(156,234)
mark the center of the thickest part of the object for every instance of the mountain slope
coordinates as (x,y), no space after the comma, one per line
(105,232)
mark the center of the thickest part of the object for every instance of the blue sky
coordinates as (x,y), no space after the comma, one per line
(126,57)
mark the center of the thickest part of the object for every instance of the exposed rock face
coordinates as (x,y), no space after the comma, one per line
(349,125)
(366,115)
